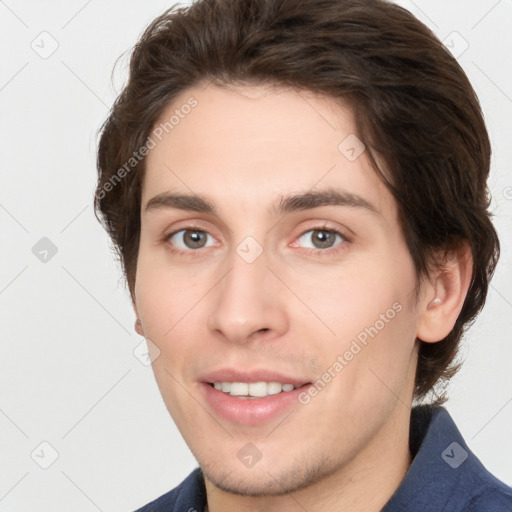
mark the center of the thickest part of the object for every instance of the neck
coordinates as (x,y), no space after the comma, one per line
(363,484)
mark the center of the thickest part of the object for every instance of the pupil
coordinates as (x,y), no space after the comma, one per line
(323,238)
(194,239)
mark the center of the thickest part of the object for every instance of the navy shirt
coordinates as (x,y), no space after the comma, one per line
(444,475)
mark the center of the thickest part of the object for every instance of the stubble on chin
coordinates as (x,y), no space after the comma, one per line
(267,482)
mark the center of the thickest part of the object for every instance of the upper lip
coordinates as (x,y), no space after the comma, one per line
(254,375)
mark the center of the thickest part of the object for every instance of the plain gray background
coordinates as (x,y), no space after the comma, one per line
(69,377)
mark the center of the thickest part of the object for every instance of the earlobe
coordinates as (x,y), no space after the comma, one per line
(138,323)
(138,327)
(446,296)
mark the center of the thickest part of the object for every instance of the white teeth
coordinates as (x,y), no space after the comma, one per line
(258,389)
(273,388)
(238,389)
(253,389)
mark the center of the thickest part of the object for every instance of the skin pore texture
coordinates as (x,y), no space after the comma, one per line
(294,309)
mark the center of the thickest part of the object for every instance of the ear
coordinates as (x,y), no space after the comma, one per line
(138,323)
(138,328)
(445,294)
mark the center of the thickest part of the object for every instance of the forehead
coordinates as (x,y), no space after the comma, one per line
(252,144)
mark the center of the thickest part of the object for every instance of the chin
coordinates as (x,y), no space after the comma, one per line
(267,481)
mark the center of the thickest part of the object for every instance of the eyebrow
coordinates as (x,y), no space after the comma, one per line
(316,199)
(188,202)
(285,204)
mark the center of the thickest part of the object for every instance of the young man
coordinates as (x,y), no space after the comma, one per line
(297,191)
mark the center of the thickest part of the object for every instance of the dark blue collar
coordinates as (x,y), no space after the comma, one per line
(445,475)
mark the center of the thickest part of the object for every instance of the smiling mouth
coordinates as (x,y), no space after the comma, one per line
(251,400)
(252,390)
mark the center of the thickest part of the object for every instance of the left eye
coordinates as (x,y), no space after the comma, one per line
(321,238)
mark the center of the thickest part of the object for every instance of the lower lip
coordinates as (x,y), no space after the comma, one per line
(250,411)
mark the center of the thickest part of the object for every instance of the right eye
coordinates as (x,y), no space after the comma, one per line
(189,239)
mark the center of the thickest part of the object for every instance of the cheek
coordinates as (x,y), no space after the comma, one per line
(163,294)
(164,299)
(363,314)
(353,296)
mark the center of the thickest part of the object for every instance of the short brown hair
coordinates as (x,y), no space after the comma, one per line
(414,107)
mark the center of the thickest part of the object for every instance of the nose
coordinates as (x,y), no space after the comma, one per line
(248,303)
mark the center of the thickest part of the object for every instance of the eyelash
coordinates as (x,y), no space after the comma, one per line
(324,227)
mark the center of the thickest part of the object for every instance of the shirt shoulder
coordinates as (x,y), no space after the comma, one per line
(165,502)
(492,498)
(483,491)
(190,495)
(445,474)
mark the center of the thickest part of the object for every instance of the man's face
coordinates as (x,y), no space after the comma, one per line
(261,289)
